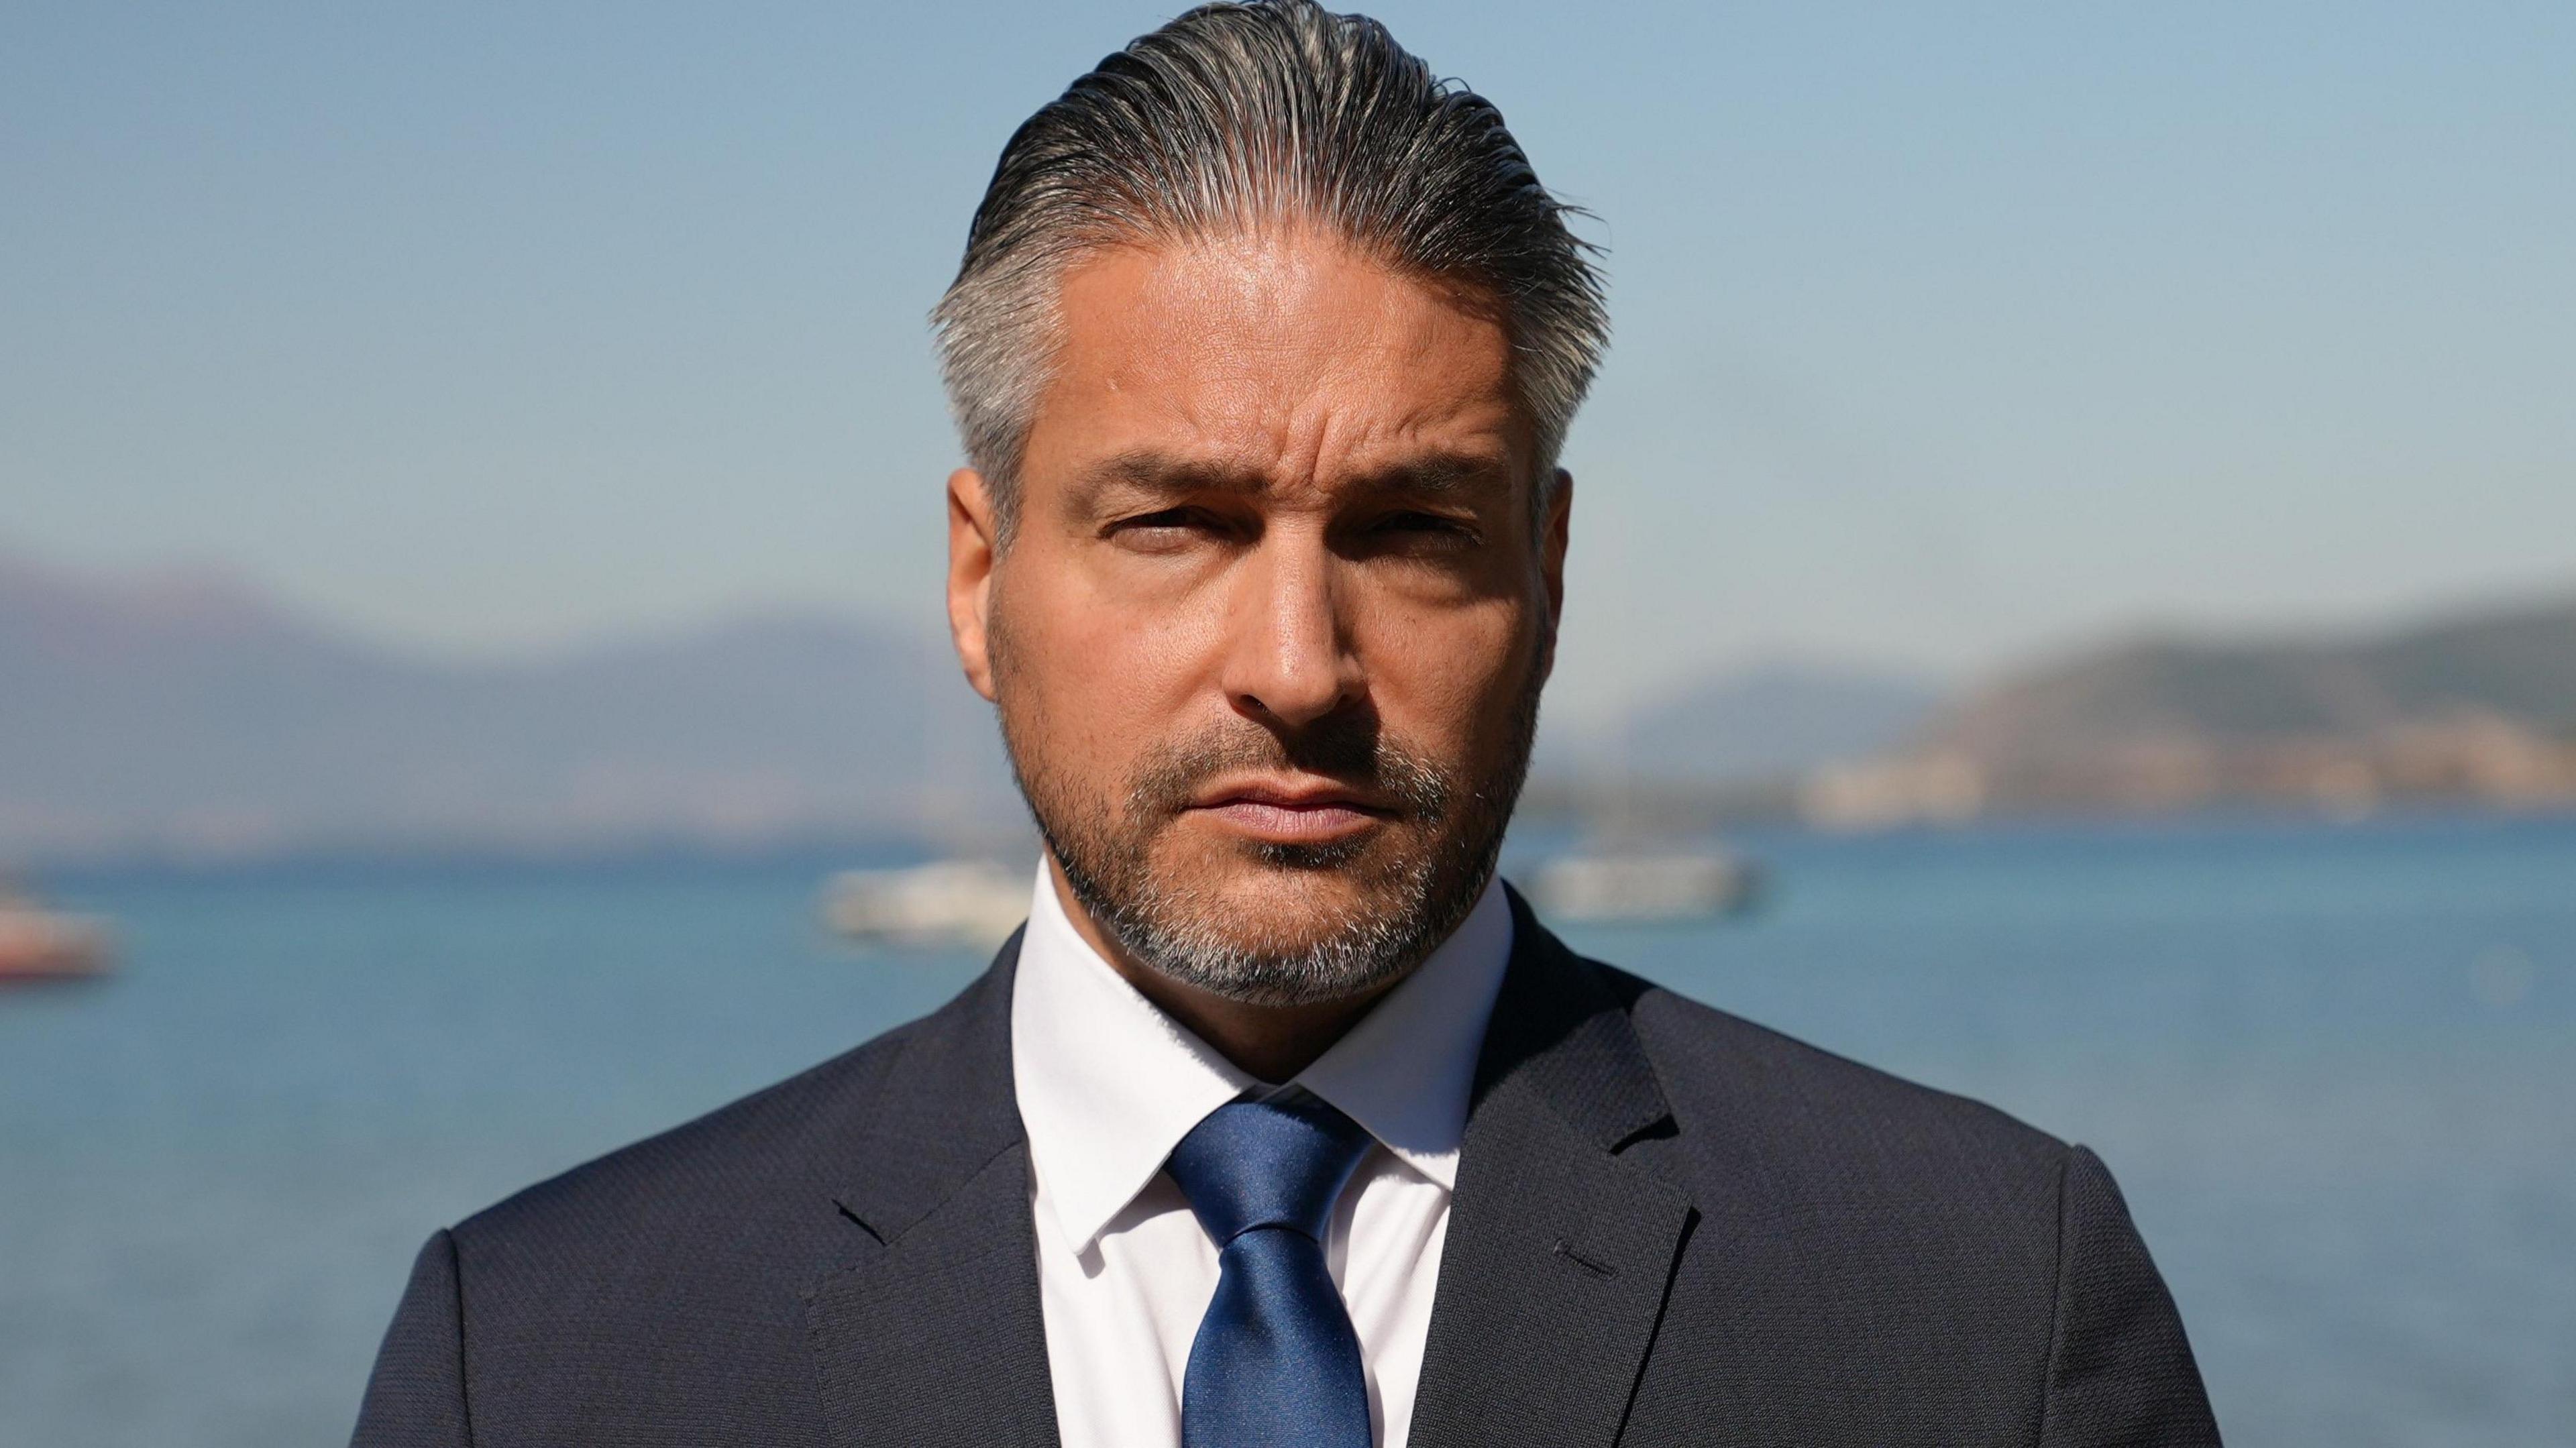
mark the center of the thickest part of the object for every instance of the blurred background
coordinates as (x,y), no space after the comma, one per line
(2073,600)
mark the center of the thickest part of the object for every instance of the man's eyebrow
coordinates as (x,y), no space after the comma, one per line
(1146,470)
(1160,472)
(1435,474)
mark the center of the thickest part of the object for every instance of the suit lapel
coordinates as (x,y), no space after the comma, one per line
(1552,1278)
(936,1335)
(1559,1249)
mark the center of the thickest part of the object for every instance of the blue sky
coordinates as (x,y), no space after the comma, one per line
(1945,333)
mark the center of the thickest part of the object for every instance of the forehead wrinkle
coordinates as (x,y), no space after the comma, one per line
(1188,352)
(1235,290)
(1328,439)
(1439,474)
(1159,470)
(1211,440)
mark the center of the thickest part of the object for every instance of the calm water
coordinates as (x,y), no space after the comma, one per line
(2334,1068)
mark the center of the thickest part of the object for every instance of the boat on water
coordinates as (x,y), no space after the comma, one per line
(1668,885)
(37,944)
(977,903)
(943,904)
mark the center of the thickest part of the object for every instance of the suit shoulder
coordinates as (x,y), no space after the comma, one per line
(770,1147)
(1855,1125)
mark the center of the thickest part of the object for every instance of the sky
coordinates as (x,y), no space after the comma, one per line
(1945,334)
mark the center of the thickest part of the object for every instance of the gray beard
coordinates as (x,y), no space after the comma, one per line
(1172,933)
(1412,904)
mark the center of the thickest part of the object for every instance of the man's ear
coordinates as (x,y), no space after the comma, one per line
(974,546)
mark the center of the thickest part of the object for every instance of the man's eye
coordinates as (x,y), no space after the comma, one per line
(1163,527)
(1419,524)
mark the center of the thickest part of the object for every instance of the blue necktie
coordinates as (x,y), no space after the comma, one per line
(1275,1364)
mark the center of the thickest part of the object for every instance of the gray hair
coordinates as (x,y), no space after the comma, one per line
(1234,114)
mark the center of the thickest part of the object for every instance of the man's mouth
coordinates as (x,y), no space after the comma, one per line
(1307,811)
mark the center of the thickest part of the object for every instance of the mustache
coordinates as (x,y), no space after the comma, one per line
(1350,749)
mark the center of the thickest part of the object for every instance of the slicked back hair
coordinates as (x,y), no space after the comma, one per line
(1236,115)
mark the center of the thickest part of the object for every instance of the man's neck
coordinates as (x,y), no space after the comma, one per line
(1271,1043)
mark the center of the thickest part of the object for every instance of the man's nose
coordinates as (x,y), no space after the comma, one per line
(1287,658)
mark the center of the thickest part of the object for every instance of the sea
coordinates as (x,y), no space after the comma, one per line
(2332,1065)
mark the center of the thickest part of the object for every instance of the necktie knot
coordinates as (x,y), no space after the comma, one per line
(1268,1164)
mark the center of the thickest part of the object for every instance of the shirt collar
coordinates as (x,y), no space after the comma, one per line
(1108,1084)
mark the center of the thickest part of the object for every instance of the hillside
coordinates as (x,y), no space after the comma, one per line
(2519,665)
(188,712)
(1756,724)
(2478,707)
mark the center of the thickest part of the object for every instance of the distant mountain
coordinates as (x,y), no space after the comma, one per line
(1756,724)
(2479,706)
(1726,747)
(2519,665)
(189,712)
(1773,720)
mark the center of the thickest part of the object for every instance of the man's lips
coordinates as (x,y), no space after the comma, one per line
(1297,812)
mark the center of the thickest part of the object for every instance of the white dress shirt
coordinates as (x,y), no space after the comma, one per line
(1108,1085)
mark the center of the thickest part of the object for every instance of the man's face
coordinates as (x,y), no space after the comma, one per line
(1268,637)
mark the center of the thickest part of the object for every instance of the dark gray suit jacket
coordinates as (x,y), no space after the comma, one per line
(1670,1227)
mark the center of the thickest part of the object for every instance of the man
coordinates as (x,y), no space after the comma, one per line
(1282,1122)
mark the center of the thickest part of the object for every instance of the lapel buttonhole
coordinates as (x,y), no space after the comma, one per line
(1565,1249)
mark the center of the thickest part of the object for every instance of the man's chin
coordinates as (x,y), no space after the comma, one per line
(1282,908)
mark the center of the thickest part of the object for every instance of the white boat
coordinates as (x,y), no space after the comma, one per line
(1643,886)
(975,903)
